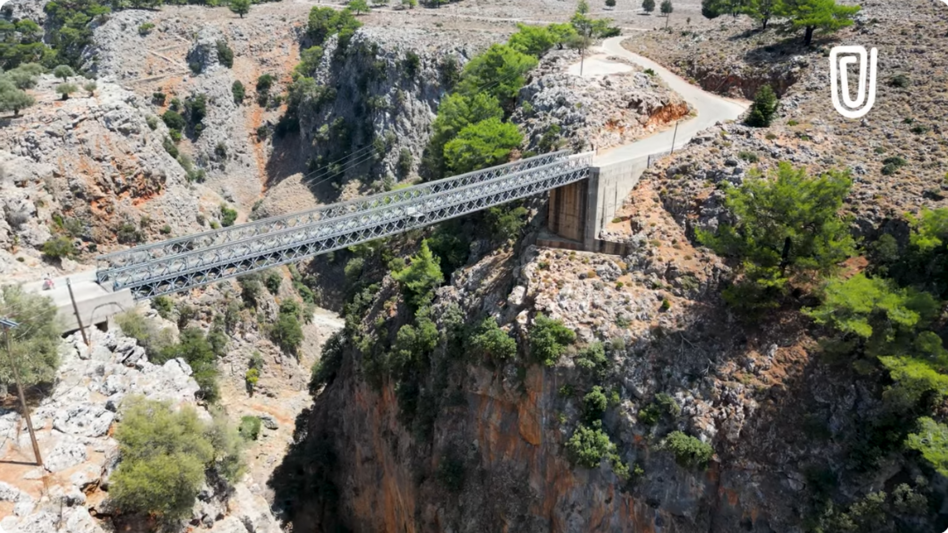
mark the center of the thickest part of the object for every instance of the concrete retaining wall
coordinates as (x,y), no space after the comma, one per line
(580,210)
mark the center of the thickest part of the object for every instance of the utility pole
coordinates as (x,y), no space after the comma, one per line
(7,325)
(674,136)
(75,309)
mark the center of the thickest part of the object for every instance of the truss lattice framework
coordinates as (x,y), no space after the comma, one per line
(408,195)
(164,275)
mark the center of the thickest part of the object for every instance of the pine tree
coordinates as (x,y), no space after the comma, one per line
(610,3)
(762,10)
(711,9)
(240,7)
(667,7)
(421,277)
(787,227)
(648,5)
(764,108)
(825,15)
(359,6)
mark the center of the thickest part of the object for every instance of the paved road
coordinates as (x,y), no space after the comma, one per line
(710,108)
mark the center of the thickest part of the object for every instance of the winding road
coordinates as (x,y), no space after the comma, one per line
(710,108)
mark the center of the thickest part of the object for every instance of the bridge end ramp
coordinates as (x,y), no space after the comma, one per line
(96,304)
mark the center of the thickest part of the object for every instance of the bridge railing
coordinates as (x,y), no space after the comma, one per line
(161,276)
(241,232)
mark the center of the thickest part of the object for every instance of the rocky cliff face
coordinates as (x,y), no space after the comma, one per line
(494,455)
(92,162)
(379,96)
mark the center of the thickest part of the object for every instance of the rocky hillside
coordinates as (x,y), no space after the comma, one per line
(91,168)
(901,132)
(74,428)
(560,108)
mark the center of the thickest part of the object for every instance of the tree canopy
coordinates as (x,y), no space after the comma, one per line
(240,7)
(499,72)
(486,143)
(784,226)
(420,278)
(164,455)
(824,15)
(35,343)
(764,108)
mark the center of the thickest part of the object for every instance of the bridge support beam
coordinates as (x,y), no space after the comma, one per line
(579,211)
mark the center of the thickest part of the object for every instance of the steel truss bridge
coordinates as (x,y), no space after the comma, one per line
(191,261)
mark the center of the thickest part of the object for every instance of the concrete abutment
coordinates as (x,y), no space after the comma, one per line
(579,211)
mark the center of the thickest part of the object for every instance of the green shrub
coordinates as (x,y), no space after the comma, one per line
(34,346)
(287,333)
(149,336)
(251,288)
(145,28)
(198,352)
(249,427)
(173,120)
(66,89)
(549,339)
(325,22)
(506,221)
(688,450)
(237,89)
(420,278)
(900,81)
(891,165)
(491,342)
(225,55)
(594,404)
(196,68)
(228,216)
(764,108)
(163,305)
(404,164)
(273,280)
(662,405)
(164,456)
(58,247)
(411,64)
(592,359)
(750,157)
(589,445)
(63,72)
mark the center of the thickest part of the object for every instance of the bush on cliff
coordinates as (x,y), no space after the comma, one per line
(688,450)
(164,456)
(549,339)
(420,278)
